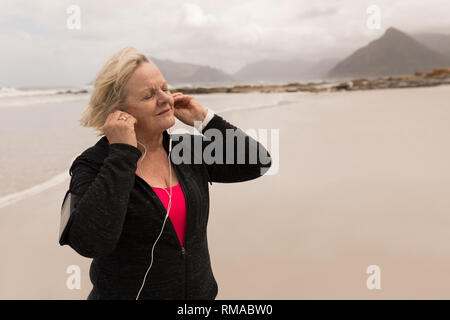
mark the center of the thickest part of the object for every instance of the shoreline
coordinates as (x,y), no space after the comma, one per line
(419,79)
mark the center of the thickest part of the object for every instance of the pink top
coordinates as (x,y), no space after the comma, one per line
(177,212)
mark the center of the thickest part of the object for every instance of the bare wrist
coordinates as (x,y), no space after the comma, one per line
(203,114)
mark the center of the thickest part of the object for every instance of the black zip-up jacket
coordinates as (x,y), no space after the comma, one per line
(117,217)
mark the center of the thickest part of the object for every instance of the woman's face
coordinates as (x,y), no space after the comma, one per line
(147,96)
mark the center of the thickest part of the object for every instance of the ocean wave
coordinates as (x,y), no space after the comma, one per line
(262,106)
(9,92)
(28,101)
(36,189)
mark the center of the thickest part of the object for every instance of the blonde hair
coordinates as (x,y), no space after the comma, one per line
(109,94)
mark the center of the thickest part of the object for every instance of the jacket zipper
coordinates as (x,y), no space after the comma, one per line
(183,253)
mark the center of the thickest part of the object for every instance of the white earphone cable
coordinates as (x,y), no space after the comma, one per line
(168,209)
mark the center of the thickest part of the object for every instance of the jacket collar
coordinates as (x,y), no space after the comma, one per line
(100,150)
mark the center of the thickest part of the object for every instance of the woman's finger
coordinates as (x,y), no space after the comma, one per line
(118,115)
(184,97)
(109,117)
(131,120)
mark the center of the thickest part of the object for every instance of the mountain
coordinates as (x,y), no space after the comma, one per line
(182,73)
(322,67)
(437,42)
(271,70)
(288,70)
(395,53)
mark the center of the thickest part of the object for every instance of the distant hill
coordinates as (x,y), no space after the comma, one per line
(279,70)
(395,53)
(178,72)
(437,42)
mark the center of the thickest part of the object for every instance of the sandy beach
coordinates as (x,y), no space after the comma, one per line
(363,180)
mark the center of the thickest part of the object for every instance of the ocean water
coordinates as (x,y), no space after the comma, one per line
(40,134)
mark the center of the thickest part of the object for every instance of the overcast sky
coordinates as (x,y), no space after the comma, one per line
(38,49)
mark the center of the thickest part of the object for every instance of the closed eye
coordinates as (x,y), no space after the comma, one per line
(152,94)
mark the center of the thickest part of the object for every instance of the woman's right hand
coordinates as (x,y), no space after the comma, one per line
(120,131)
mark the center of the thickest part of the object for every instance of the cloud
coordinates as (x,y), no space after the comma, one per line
(318,11)
(195,17)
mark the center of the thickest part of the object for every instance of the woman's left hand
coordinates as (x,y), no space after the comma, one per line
(187,109)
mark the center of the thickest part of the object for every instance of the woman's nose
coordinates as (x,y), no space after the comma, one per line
(164,97)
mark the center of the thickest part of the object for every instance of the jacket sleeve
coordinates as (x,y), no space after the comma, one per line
(240,157)
(103,195)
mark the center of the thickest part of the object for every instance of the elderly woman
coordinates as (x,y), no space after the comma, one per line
(126,185)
